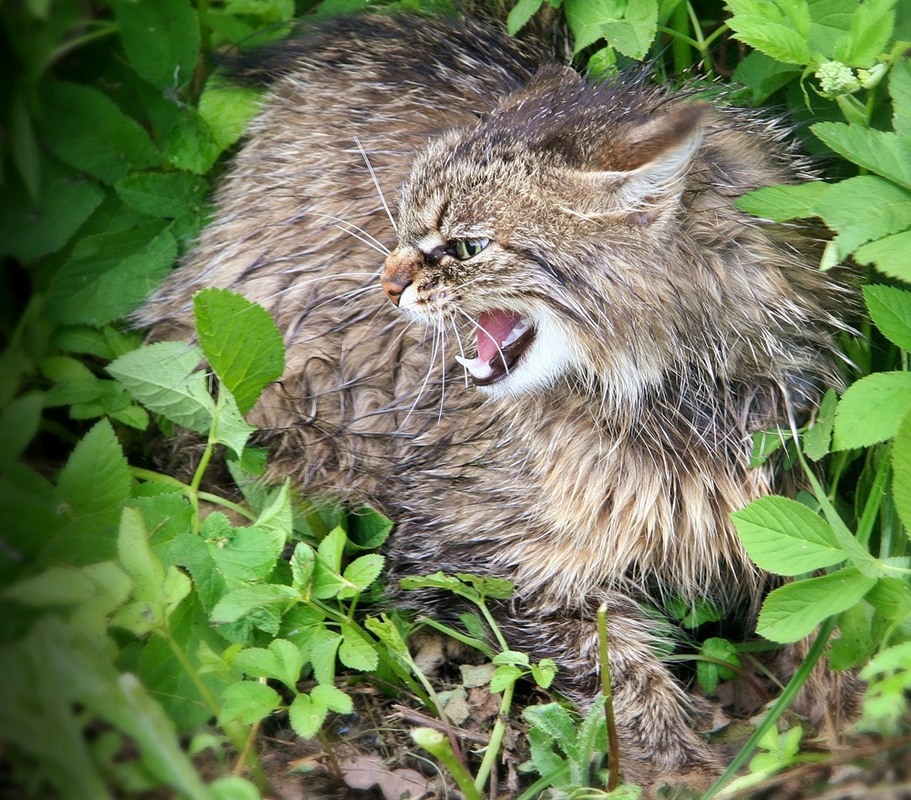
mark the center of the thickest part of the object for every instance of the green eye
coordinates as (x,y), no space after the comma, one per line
(463,249)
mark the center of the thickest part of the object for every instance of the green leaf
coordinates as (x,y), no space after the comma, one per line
(521,13)
(227,109)
(356,652)
(165,195)
(18,426)
(332,698)
(190,144)
(784,537)
(504,676)
(232,787)
(792,611)
(901,472)
(890,309)
(364,571)
(96,476)
(781,203)
(247,702)
(883,153)
(544,672)
(228,426)
(240,602)
(554,720)
(870,32)
(628,27)
(871,409)
(323,648)
(846,208)
(763,76)
(303,560)
(900,90)
(854,644)
(282,661)
(307,716)
(161,39)
(84,128)
(818,438)
(781,31)
(245,554)
(241,342)
(889,255)
(109,274)
(708,673)
(56,586)
(163,377)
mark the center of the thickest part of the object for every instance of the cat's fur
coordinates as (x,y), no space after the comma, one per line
(669,327)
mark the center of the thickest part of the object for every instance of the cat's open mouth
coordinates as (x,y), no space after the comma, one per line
(503,336)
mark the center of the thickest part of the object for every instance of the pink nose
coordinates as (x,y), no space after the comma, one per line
(399,272)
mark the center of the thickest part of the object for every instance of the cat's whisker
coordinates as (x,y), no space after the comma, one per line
(480,327)
(376,183)
(367,238)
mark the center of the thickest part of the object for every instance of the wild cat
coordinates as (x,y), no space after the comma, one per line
(583,336)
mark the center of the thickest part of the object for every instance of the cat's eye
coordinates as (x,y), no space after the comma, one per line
(463,249)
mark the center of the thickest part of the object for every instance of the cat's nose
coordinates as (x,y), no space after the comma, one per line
(399,271)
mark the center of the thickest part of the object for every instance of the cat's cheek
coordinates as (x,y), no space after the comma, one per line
(548,359)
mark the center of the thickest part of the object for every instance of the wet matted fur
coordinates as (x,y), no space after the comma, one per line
(584,337)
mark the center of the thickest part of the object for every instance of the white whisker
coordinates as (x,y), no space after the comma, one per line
(376,183)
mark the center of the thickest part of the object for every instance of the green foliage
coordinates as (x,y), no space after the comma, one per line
(125,603)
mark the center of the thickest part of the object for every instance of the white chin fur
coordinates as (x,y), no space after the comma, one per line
(546,360)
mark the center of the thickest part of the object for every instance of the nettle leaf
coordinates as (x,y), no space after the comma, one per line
(307,715)
(84,128)
(164,378)
(784,537)
(241,342)
(247,702)
(246,554)
(109,274)
(332,698)
(871,409)
(190,144)
(161,39)
(239,603)
(792,611)
(96,476)
(878,151)
(889,255)
(901,472)
(323,647)
(628,27)
(890,309)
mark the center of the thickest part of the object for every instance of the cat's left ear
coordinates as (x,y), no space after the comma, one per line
(644,165)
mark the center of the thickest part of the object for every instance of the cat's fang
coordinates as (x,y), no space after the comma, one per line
(477,367)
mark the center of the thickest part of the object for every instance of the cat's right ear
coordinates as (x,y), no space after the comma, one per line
(643,167)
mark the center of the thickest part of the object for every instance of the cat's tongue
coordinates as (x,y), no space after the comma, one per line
(494,329)
(497,330)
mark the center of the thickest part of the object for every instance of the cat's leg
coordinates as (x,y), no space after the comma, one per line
(654,715)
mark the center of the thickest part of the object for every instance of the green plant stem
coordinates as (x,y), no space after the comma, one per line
(501,640)
(780,706)
(496,739)
(156,477)
(439,747)
(681,43)
(875,496)
(613,775)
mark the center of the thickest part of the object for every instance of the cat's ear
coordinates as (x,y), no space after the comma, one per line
(644,165)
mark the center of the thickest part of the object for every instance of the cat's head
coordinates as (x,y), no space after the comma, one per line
(552,239)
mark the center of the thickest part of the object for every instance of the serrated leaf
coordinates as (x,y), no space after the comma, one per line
(164,195)
(544,672)
(303,560)
(553,720)
(56,586)
(784,537)
(900,91)
(709,673)
(520,14)
(241,342)
(871,409)
(364,570)
(871,29)
(764,76)
(793,611)
(161,39)
(282,661)
(228,425)
(323,648)
(890,309)
(241,602)
(503,677)
(84,128)
(889,255)
(878,151)
(781,32)
(901,472)
(96,476)
(781,203)
(163,377)
(18,426)
(275,519)
(846,207)
(247,702)
(227,110)
(355,652)
(327,580)
(332,698)
(307,716)
(818,438)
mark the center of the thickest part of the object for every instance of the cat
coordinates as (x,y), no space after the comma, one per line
(524,319)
